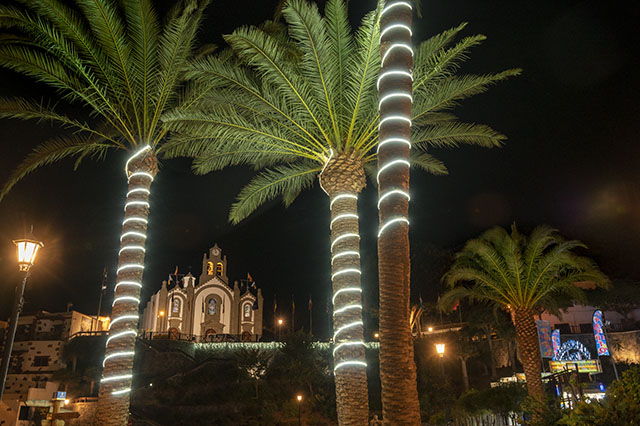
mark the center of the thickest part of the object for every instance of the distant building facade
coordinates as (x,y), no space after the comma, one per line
(208,308)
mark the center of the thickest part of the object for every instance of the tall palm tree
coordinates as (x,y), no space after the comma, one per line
(117,60)
(523,275)
(298,102)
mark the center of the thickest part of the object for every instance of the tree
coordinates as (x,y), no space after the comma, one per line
(521,274)
(118,61)
(301,104)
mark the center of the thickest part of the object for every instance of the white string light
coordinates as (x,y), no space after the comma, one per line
(345,253)
(326,163)
(346,271)
(136,190)
(389,164)
(125,248)
(136,154)
(145,174)
(350,363)
(393,192)
(122,318)
(116,355)
(394,140)
(136,203)
(394,26)
(391,222)
(394,118)
(132,234)
(342,237)
(392,5)
(341,345)
(113,378)
(121,391)
(346,308)
(395,95)
(342,216)
(345,290)
(345,327)
(133,283)
(121,334)
(392,48)
(135,219)
(125,298)
(130,266)
(341,196)
(393,72)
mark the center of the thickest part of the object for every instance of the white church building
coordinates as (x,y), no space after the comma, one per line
(208,309)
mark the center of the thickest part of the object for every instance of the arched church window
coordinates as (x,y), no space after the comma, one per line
(212,306)
(176,306)
(209,268)
(219,269)
(247,311)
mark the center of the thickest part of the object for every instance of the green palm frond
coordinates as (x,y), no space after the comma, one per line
(454,134)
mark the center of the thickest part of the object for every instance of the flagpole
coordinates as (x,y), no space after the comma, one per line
(102,288)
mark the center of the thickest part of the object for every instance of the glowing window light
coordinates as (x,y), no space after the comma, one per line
(391,6)
(136,203)
(391,222)
(342,237)
(122,318)
(121,391)
(116,355)
(393,140)
(136,154)
(395,46)
(130,266)
(346,327)
(391,73)
(342,216)
(145,174)
(345,253)
(394,118)
(136,190)
(114,378)
(346,308)
(390,164)
(395,95)
(121,334)
(393,192)
(345,290)
(135,219)
(132,234)
(124,299)
(125,248)
(394,26)
(350,363)
(133,283)
(341,196)
(341,345)
(346,271)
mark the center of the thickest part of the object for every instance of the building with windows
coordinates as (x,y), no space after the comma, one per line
(208,308)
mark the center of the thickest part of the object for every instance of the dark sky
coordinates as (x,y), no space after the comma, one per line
(572,120)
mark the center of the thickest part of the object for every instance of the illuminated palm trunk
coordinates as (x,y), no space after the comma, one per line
(343,178)
(400,404)
(115,386)
(528,344)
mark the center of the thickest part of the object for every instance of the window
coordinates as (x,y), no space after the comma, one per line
(40,361)
(247,311)
(564,328)
(176,306)
(212,306)
(219,269)
(586,328)
(209,268)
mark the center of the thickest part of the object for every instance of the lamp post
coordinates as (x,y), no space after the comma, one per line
(299,398)
(440,351)
(27,250)
(280,322)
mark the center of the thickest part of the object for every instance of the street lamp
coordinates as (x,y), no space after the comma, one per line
(376,335)
(280,322)
(27,249)
(430,329)
(299,398)
(440,351)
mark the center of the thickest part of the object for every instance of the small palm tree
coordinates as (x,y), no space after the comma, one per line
(123,66)
(523,275)
(298,103)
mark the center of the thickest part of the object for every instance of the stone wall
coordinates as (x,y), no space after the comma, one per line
(87,412)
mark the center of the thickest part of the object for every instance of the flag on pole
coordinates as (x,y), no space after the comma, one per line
(249,277)
(275,304)
(598,334)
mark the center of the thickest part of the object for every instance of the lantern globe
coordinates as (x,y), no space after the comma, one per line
(27,249)
(440,349)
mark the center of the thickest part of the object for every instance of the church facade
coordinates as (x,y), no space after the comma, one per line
(207,309)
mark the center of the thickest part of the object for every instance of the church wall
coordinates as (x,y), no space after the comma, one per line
(225,296)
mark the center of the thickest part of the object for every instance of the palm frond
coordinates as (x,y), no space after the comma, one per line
(454,134)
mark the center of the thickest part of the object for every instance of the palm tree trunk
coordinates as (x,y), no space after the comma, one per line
(115,386)
(400,404)
(527,337)
(343,178)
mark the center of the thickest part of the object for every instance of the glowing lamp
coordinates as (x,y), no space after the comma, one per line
(430,329)
(440,349)
(376,335)
(27,251)
(299,398)
(66,402)
(280,321)
(161,313)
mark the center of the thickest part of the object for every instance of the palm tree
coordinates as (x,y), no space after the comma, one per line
(123,66)
(522,275)
(298,102)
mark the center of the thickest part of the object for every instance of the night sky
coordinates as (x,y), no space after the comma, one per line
(572,119)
